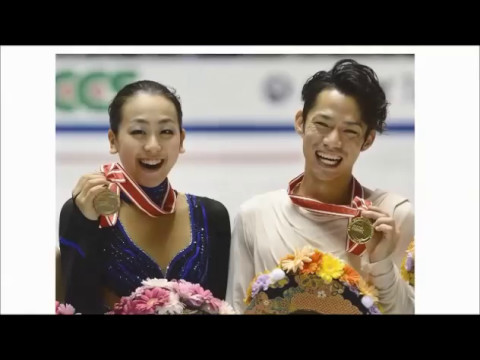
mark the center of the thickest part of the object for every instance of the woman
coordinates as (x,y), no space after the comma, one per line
(157,232)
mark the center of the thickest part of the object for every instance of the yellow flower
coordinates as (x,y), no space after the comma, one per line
(248,298)
(380,308)
(330,268)
(368,290)
(280,283)
(295,262)
(403,270)
(408,276)
(411,248)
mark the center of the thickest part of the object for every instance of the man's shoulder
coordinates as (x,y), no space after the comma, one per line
(391,202)
(262,202)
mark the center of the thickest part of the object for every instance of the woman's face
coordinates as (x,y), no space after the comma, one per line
(149,138)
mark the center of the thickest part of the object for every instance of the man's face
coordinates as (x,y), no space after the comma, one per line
(333,135)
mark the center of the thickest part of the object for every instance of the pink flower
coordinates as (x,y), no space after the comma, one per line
(124,307)
(197,289)
(149,300)
(183,289)
(192,294)
(212,306)
(64,309)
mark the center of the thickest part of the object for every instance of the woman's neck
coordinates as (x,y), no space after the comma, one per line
(156,193)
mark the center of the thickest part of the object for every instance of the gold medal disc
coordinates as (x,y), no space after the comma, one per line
(360,230)
(106,202)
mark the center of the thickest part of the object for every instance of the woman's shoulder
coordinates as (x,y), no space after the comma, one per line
(72,218)
(68,206)
(210,205)
(68,211)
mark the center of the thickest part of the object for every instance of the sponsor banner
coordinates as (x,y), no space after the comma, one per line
(218,91)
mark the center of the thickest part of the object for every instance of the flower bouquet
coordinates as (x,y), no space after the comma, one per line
(311,282)
(160,296)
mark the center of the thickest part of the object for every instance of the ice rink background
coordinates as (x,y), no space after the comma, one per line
(238,113)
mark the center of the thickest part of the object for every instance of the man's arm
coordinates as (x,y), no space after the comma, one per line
(395,294)
(241,267)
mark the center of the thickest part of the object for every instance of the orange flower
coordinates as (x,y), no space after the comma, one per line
(350,275)
(311,267)
(316,257)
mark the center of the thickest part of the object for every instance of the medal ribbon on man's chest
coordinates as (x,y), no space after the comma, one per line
(318,207)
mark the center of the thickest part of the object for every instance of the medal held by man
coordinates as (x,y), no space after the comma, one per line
(360,230)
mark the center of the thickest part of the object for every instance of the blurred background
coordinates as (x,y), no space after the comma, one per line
(238,115)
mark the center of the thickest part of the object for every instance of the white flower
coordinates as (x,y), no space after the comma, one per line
(277,274)
(175,306)
(163,283)
(226,309)
(295,262)
(170,309)
(367,301)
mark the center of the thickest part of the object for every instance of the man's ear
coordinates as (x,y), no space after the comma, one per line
(299,122)
(369,140)
(112,141)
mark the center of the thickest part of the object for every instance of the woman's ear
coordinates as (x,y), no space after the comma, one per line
(182,137)
(112,140)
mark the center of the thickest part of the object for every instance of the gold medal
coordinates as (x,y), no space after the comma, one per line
(360,230)
(106,203)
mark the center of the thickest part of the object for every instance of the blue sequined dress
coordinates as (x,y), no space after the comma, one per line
(96,258)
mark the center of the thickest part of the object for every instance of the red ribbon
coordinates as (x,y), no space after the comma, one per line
(121,181)
(319,207)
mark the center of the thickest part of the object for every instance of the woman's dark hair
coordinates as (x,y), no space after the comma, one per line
(352,79)
(147,86)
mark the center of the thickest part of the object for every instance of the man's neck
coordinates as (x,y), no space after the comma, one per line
(338,191)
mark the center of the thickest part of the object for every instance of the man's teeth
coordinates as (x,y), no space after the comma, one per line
(328,157)
(151,162)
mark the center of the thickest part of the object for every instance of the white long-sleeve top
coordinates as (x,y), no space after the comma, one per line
(269,226)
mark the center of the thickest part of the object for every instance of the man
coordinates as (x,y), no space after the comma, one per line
(343,109)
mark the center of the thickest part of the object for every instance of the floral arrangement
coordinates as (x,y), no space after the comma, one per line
(160,296)
(408,264)
(310,281)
